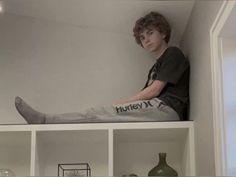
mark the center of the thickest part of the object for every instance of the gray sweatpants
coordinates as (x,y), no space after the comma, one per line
(138,111)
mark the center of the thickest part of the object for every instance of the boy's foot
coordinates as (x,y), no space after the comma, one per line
(28,113)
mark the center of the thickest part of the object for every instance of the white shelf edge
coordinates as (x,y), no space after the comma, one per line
(97,126)
(110,152)
(33,152)
(192,152)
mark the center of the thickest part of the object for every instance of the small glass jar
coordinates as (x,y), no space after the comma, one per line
(4,172)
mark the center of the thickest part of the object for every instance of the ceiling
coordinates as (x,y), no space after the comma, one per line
(107,15)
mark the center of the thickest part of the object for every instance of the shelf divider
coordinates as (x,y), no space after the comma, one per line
(110,152)
(33,153)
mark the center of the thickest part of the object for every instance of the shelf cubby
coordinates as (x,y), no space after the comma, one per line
(77,146)
(15,151)
(136,150)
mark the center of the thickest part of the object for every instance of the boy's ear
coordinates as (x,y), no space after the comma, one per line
(163,36)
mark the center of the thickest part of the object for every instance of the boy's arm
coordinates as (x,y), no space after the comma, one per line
(148,93)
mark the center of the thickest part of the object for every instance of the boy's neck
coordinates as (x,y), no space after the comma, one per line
(160,51)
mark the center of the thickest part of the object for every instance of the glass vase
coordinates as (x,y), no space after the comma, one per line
(162,168)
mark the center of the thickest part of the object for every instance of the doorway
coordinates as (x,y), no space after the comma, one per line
(228,54)
(223,46)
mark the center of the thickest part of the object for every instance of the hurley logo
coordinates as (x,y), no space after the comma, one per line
(131,107)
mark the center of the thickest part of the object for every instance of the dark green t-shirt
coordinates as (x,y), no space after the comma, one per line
(172,67)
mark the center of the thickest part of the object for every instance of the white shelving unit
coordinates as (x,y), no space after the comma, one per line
(111,149)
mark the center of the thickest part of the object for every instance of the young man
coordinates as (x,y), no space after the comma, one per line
(164,97)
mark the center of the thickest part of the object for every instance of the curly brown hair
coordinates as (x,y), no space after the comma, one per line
(154,20)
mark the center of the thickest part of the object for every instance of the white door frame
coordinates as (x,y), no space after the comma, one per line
(217,88)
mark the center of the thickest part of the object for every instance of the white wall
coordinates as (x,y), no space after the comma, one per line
(196,44)
(229,87)
(59,68)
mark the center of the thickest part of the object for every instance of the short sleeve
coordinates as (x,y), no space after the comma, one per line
(172,67)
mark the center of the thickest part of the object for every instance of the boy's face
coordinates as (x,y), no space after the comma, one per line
(152,40)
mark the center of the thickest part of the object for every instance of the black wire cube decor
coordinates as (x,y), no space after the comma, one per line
(74,170)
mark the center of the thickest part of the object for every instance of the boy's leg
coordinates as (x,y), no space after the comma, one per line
(146,110)
(139,111)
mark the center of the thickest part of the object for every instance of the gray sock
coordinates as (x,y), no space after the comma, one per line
(28,113)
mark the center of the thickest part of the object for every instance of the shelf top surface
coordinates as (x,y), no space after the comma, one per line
(98,126)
